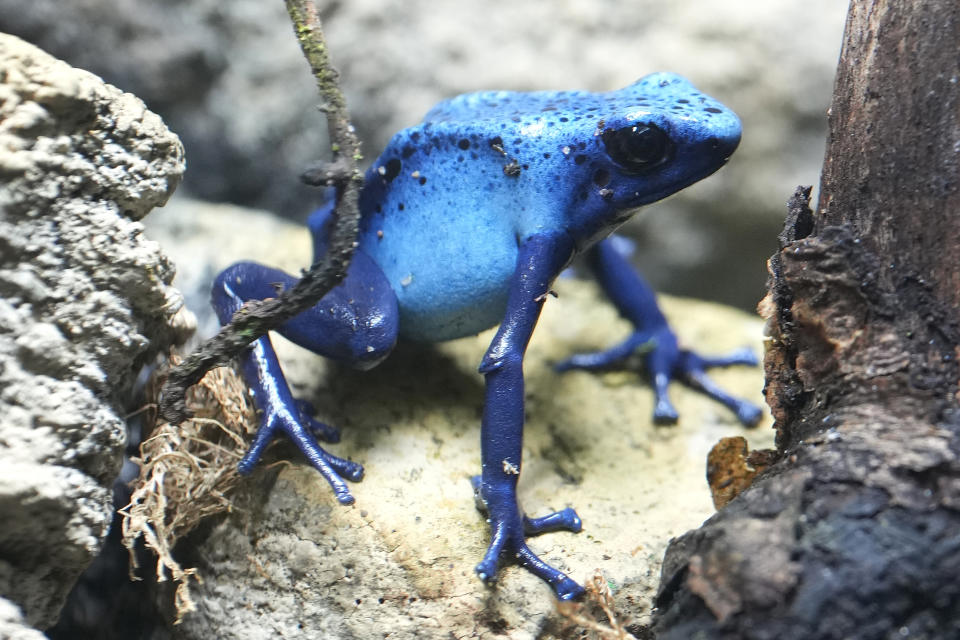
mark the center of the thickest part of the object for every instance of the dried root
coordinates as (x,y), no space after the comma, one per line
(187,473)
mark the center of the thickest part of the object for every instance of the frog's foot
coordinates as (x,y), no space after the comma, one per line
(509,531)
(665,361)
(332,468)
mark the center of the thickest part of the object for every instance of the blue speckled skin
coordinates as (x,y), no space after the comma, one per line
(444,222)
(466,220)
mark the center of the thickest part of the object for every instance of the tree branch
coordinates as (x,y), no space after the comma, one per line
(258,317)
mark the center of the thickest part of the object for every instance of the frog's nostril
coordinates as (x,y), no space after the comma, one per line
(732,143)
(723,145)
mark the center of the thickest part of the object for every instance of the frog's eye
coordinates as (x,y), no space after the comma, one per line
(638,148)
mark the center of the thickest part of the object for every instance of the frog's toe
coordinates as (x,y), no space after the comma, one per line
(333,469)
(568,589)
(748,413)
(352,471)
(603,359)
(564,520)
(487,568)
(586,361)
(744,356)
(664,413)
(563,586)
(321,430)
(261,439)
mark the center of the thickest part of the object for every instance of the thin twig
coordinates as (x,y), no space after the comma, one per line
(258,317)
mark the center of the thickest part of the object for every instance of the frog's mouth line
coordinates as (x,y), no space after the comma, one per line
(644,199)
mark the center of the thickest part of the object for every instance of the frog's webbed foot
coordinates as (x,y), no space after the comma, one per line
(665,362)
(509,531)
(301,433)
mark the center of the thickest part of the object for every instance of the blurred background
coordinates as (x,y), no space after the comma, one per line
(228,77)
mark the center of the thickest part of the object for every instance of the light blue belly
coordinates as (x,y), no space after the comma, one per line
(451,280)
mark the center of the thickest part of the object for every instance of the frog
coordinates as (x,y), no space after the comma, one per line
(467,218)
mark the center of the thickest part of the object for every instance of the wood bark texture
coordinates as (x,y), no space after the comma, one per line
(854,531)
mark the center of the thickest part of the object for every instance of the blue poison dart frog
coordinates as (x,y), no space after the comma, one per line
(467,218)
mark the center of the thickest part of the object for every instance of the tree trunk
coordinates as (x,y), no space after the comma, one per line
(854,531)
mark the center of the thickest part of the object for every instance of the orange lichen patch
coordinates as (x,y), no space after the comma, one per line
(731,468)
(187,472)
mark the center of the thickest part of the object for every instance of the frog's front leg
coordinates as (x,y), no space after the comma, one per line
(663,357)
(355,323)
(541,258)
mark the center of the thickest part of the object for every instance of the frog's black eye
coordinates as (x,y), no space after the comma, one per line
(638,148)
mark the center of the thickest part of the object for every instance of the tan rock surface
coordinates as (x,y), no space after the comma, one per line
(399,563)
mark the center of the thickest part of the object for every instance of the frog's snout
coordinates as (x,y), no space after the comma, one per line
(719,139)
(723,146)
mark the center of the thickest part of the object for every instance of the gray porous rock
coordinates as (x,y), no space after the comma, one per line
(228,77)
(84,301)
(12,625)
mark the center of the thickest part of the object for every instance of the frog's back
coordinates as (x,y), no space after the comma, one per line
(501,106)
(657,91)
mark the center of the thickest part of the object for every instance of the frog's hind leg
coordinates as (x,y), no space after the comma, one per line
(355,323)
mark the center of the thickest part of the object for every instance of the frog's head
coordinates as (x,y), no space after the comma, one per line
(656,137)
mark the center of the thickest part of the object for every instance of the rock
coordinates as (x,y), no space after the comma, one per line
(85,300)
(230,79)
(12,626)
(291,562)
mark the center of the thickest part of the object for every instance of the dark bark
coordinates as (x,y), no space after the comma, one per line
(854,531)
